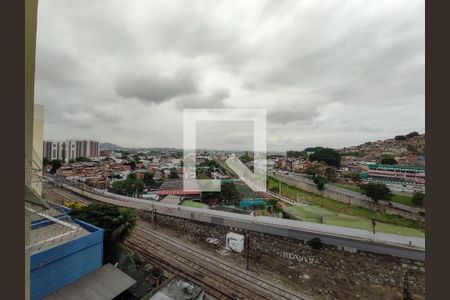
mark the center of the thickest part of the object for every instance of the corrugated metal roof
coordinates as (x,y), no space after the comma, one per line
(104,283)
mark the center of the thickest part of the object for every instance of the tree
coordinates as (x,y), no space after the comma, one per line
(148,180)
(314,169)
(116,222)
(412,134)
(353,176)
(229,195)
(320,182)
(377,191)
(330,174)
(412,149)
(328,155)
(418,198)
(45,161)
(71,161)
(56,164)
(128,187)
(125,222)
(400,138)
(131,176)
(246,158)
(83,159)
(173,174)
(132,165)
(388,160)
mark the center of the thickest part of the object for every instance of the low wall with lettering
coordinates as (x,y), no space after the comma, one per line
(326,271)
(360,200)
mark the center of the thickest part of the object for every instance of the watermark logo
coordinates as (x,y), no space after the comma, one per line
(256,180)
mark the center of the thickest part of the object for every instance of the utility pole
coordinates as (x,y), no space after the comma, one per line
(248,251)
(279,187)
(154,218)
(406,288)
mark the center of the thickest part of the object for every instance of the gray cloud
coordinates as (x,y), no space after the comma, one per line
(215,99)
(333,73)
(154,89)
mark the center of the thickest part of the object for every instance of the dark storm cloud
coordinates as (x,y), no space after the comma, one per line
(155,89)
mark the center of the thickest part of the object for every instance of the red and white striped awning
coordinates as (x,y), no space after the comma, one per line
(178,192)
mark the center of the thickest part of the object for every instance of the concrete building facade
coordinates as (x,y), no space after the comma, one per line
(71,149)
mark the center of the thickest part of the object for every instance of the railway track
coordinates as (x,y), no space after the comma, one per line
(63,196)
(222,280)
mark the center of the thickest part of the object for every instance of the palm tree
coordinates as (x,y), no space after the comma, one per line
(125,223)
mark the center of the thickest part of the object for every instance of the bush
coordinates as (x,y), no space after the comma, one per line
(320,182)
(400,138)
(377,191)
(418,198)
(328,155)
(117,223)
(315,243)
(388,160)
(412,134)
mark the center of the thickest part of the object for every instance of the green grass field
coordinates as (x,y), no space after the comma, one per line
(325,206)
(403,199)
(192,204)
(320,215)
(349,187)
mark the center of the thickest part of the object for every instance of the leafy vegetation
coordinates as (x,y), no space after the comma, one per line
(376,191)
(388,160)
(117,223)
(229,194)
(400,138)
(320,182)
(173,174)
(56,164)
(328,155)
(132,186)
(412,134)
(418,199)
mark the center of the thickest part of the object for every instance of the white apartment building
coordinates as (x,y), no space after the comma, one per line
(71,149)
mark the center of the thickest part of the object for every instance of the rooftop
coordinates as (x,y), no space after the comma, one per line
(396,167)
(178,288)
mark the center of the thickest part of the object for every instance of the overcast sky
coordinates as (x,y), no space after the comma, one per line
(330,73)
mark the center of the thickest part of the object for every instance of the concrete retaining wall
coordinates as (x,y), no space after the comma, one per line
(360,200)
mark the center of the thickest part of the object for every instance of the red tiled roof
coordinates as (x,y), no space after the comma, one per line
(178,192)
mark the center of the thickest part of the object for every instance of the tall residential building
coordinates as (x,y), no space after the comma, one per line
(50,150)
(71,149)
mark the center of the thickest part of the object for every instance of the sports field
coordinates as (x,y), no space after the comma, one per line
(341,214)
(320,215)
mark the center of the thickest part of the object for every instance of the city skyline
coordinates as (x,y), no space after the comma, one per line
(327,76)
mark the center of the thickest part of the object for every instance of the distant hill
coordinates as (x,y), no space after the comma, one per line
(404,147)
(110,146)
